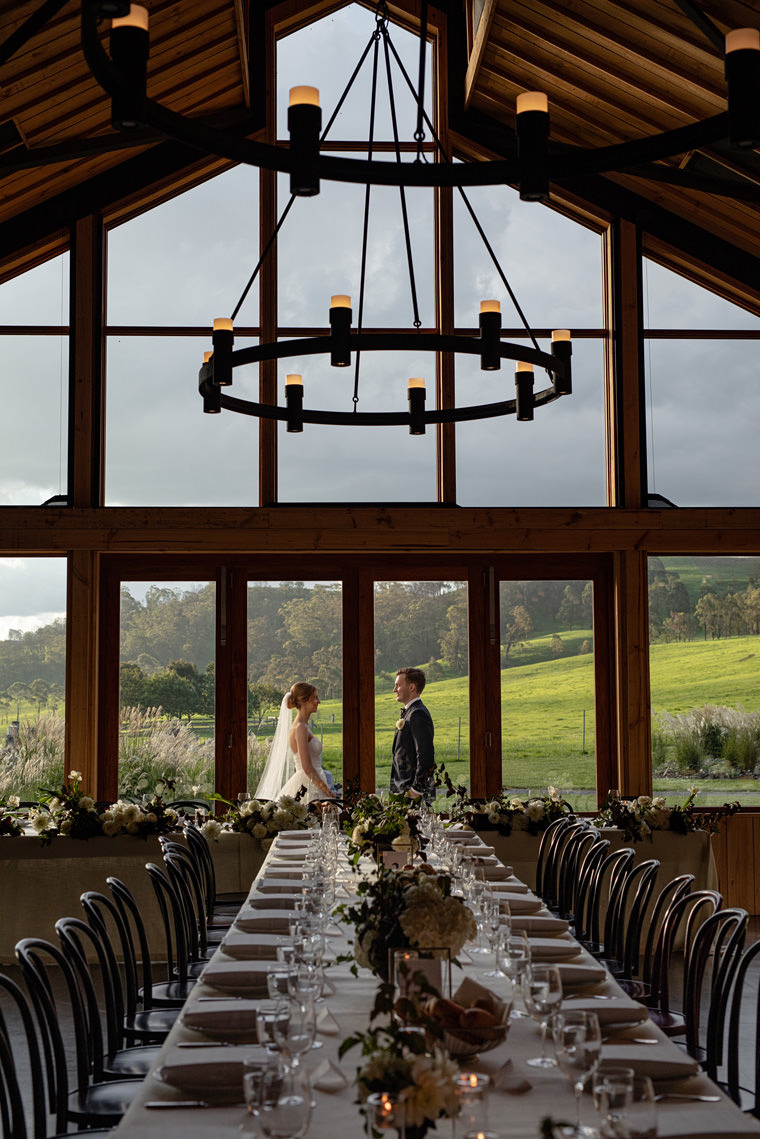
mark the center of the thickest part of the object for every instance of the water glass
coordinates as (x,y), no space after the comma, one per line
(279,979)
(613,1093)
(542,993)
(285,1109)
(513,958)
(295,1027)
(578,1048)
(268,1015)
(636,1119)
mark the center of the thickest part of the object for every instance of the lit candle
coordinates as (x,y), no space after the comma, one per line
(303,95)
(340,300)
(340,328)
(532,101)
(490,306)
(294,402)
(416,394)
(223,337)
(137,17)
(743,39)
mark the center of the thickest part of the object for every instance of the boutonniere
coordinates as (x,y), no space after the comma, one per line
(399,725)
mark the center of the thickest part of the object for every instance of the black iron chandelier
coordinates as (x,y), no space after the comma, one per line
(123,76)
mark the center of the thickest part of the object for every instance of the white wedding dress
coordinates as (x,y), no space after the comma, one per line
(299,780)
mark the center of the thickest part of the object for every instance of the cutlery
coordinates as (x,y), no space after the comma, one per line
(162,1103)
(629,1040)
(204,1044)
(676,1097)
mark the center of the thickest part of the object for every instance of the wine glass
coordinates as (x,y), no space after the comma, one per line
(284,1111)
(542,993)
(513,956)
(578,1048)
(295,1030)
(494,931)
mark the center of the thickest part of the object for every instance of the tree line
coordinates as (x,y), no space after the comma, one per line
(715,613)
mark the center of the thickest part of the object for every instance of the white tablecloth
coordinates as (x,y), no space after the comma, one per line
(337,1113)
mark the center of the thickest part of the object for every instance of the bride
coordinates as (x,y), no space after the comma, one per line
(295,745)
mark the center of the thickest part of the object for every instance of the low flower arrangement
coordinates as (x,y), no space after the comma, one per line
(506,812)
(640,816)
(263,821)
(373,821)
(405,1068)
(69,812)
(399,909)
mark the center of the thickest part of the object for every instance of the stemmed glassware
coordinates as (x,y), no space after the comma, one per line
(494,928)
(513,957)
(542,993)
(578,1048)
(295,1032)
(285,1104)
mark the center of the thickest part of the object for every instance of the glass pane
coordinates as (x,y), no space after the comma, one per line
(703,405)
(32,674)
(358,464)
(35,419)
(166,689)
(161,449)
(553,264)
(704,629)
(547,688)
(186,261)
(558,459)
(324,55)
(423,624)
(39,296)
(295,633)
(671,301)
(330,228)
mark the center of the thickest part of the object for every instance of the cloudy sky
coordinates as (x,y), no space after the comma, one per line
(187,261)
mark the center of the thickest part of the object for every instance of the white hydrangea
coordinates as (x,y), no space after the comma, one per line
(211,829)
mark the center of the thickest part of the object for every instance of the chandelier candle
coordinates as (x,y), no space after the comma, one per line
(212,404)
(304,125)
(532,128)
(742,67)
(562,348)
(524,387)
(490,334)
(416,406)
(130,47)
(294,402)
(340,326)
(223,338)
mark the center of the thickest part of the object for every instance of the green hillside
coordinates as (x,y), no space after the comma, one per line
(721,574)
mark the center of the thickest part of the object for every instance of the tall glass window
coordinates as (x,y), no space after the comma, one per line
(166,689)
(547,688)
(423,624)
(704,628)
(32,674)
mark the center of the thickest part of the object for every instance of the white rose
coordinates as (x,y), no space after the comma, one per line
(211,830)
(259,831)
(65,827)
(535,810)
(494,817)
(41,822)
(110,828)
(86,803)
(399,725)
(13,802)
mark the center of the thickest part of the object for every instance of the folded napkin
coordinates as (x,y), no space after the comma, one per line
(328,1077)
(269,884)
(302,836)
(224,1020)
(582,972)
(271,901)
(617,1010)
(541,924)
(460,834)
(521,903)
(233,976)
(290,851)
(284,869)
(550,948)
(257,946)
(479,849)
(661,1063)
(214,1073)
(326,1022)
(273,921)
(507,1080)
(496,872)
(509,886)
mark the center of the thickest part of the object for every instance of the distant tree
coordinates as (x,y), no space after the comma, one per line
(517,628)
(586,647)
(707,613)
(454,640)
(131,686)
(262,698)
(557,645)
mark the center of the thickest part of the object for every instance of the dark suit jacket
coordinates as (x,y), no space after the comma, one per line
(413,752)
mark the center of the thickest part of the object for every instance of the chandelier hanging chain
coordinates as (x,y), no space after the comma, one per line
(376,36)
(419,134)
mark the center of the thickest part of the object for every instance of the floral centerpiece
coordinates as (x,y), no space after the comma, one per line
(638,817)
(404,1068)
(10,823)
(399,909)
(261,820)
(373,821)
(70,812)
(507,812)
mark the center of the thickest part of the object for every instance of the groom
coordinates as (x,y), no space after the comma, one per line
(413,751)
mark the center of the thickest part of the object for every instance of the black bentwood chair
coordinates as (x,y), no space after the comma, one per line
(90,1104)
(171,993)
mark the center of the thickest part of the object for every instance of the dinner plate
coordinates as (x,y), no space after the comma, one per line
(617,1010)
(232,976)
(539,923)
(582,972)
(654,1062)
(522,903)
(266,921)
(256,946)
(271,901)
(551,948)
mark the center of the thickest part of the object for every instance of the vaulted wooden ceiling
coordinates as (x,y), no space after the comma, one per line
(612,70)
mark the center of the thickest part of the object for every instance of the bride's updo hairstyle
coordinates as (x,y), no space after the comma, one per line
(300,693)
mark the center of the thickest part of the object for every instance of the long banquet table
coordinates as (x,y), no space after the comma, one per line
(188,1069)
